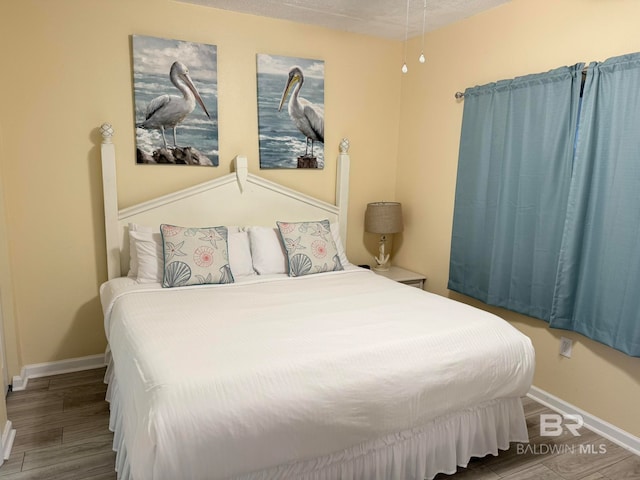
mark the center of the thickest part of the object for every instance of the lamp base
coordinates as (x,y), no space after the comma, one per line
(381,268)
(382,260)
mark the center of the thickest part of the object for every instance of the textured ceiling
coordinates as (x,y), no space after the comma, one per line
(380,18)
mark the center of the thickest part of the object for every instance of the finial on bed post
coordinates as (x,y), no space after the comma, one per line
(342,187)
(110,195)
(107,132)
(344,145)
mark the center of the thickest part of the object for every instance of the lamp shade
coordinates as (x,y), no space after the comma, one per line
(383,218)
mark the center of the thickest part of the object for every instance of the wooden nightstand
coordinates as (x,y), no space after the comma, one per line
(404,276)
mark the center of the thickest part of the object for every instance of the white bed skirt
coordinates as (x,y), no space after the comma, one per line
(421,453)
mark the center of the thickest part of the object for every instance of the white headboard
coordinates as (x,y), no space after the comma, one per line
(239,198)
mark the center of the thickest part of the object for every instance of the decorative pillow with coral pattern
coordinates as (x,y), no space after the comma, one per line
(195,256)
(310,247)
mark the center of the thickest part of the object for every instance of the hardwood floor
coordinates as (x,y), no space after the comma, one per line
(62,429)
(62,433)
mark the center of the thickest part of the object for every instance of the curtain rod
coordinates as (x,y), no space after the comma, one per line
(460,95)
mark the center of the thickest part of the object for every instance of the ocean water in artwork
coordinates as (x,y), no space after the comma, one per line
(281,143)
(153,58)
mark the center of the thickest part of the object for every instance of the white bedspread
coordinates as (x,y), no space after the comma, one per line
(222,381)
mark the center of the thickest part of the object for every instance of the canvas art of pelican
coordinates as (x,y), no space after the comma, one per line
(307,117)
(167,111)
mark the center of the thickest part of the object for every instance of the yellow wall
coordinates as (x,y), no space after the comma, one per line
(68,69)
(518,38)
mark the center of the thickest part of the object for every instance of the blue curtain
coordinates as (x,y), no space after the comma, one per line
(597,289)
(514,173)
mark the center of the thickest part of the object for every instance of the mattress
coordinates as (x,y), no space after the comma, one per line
(279,377)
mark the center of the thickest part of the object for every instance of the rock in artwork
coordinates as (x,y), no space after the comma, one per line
(176,102)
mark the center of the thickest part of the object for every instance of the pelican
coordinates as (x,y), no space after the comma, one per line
(169,110)
(307,117)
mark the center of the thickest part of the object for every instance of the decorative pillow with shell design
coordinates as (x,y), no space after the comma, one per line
(195,256)
(310,247)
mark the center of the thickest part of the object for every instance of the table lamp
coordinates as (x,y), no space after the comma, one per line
(384,218)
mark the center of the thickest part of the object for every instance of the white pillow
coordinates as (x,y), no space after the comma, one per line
(267,251)
(148,249)
(240,254)
(133,255)
(335,233)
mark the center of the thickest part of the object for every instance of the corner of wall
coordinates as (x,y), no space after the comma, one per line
(7,311)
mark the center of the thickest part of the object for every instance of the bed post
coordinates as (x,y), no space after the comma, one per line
(342,187)
(110,195)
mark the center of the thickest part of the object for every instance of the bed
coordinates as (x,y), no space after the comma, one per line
(284,371)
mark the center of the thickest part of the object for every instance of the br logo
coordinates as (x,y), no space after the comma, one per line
(553,424)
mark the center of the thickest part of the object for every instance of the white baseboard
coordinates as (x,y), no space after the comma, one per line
(55,368)
(8,436)
(605,429)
